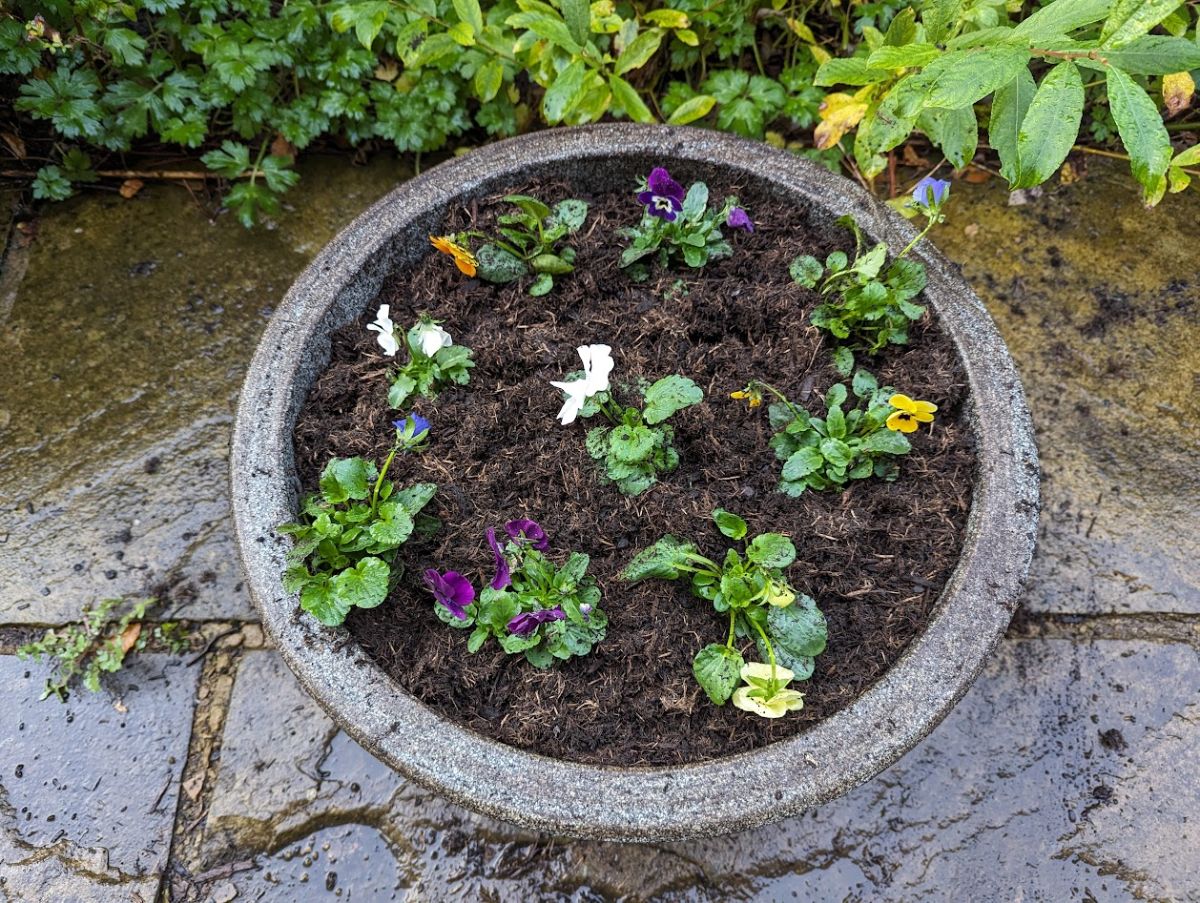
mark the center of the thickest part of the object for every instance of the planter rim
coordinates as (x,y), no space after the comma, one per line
(632,803)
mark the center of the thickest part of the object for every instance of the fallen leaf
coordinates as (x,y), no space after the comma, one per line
(15,144)
(1069,175)
(387,71)
(910,157)
(281,147)
(976,176)
(130,635)
(1178,89)
(130,187)
(839,114)
(192,787)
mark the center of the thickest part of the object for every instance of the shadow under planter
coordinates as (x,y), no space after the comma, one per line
(633,804)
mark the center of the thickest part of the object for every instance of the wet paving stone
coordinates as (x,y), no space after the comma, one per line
(1028,791)
(1099,302)
(126,339)
(87,792)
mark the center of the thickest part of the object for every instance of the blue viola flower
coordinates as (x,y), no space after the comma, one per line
(503,576)
(739,219)
(524,529)
(528,621)
(411,431)
(663,196)
(452,590)
(931,193)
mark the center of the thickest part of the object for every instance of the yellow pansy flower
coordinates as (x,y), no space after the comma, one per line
(756,697)
(463,258)
(751,396)
(780,595)
(909,413)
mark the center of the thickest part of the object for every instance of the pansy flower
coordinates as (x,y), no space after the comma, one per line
(663,196)
(765,692)
(503,576)
(931,193)
(909,413)
(597,365)
(528,621)
(387,331)
(412,430)
(739,219)
(530,531)
(463,258)
(751,395)
(430,337)
(452,590)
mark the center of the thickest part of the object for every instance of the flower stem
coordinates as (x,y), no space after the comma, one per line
(770,388)
(732,623)
(912,244)
(770,653)
(379,480)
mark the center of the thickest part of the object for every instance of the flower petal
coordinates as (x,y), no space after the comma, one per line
(503,576)
(903,402)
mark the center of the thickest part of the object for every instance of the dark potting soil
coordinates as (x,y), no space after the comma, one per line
(875,557)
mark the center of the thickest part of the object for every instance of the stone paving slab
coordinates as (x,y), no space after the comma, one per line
(88,792)
(126,342)
(1028,791)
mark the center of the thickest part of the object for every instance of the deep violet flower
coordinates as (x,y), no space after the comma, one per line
(663,196)
(931,192)
(527,622)
(739,219)
(503,576)
(452,590)
(528,530)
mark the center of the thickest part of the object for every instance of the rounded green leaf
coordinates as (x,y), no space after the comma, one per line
(771,550)
(718,669)
(729,524)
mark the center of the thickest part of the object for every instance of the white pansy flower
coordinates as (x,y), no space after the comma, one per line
(597,365)
(387,331)
(432,338)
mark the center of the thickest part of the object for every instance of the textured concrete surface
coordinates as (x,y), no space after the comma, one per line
(699,799)
(130,332)
(88,789)
(1024,793)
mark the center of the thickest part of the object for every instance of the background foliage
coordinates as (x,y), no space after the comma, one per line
(245,84)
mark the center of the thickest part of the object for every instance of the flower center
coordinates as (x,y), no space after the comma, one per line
(663,203)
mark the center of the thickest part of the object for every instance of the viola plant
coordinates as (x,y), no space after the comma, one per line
(679,224)
(867,307)
(348,534)
(828,452)
(434,361)
(751,588)
(528,243)
(636,447)
(532,606)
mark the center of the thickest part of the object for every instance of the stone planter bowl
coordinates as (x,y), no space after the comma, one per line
(630,804)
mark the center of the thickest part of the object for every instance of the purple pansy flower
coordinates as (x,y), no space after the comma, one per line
(529,530)
(420,425)
(527,622)
(930,192)
(452,590)
(739,219)
(663,196)
(503,576)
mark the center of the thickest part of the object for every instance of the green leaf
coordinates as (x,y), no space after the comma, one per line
(668,396)
(799,628)
(468,11)
(638,51)
(959,79)
(886,441)
(848,71)
(837,452)
(803,462)
(541,285)
(415,497)
(401,388)
(1062,17)
(1155,55)
(363,586)
(577,14)
(546,24)
(564,92)
(1009,107)
(346,478)
(865,384)
(836,395)
(691,110)
(1142,132)
(718,670)
(319,600)
(51,184)
(1050,126)
(498,265)
(570,213)
(771,550)
(729,524)
(488,79)
(393,526)
(631,444)
(954,132)
(887,124)
(661,560)
(1130,19)
(909,56)
(633,105)
(695,202)
(843,359)
(806,270)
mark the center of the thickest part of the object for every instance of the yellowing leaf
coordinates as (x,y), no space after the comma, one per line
(839,114)
(820,54)
(802,31)
(1178,89)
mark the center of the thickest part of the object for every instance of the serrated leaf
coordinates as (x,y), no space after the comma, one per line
(803,462)
(1009,107)
(1050,126)
(1142,132)
(1062,17)
(668,396)
(909,56)
(961,78)
(363,586)
(488,79)
(319,600)
(346,478)
(1130,19)
(849,71)
(806,270)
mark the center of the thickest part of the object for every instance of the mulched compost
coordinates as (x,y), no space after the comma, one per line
(875,557)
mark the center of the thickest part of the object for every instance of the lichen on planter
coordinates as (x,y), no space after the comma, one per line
(644,803)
